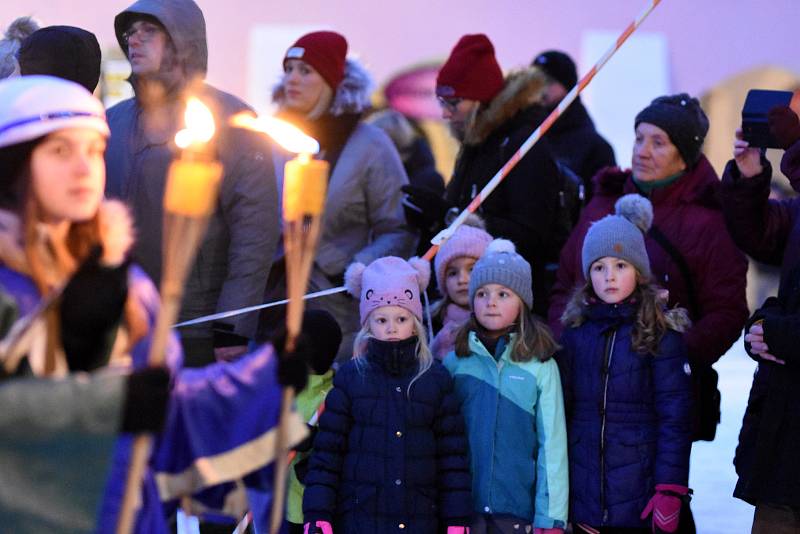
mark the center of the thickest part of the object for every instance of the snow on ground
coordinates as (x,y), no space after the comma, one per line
(712,476)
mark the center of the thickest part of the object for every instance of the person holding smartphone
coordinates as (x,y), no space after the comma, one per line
(769,231)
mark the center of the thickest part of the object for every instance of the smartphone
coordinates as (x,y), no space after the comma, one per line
(754,116)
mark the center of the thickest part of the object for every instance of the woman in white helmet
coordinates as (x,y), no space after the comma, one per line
(63,261)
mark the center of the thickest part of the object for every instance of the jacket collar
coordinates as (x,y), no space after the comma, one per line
(699,185)
(522,92)
(478,348)
(611,315)
(394,357)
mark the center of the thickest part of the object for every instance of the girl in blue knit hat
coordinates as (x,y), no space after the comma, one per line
(511,398)
(627,386)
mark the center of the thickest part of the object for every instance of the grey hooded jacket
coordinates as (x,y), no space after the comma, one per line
(234,259)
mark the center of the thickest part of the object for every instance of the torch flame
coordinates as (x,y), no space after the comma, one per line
(287,135)
(199,124)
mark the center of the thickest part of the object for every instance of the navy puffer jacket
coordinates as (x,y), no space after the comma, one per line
(634,433)
(384,462)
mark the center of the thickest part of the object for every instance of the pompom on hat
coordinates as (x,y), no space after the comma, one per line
(388,281)
(34,106)
(500,264)
(469,240)
(326,52)
(621,235)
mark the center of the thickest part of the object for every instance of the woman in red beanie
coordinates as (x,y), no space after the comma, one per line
(326,94)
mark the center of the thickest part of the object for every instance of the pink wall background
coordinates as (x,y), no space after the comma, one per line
(708,40)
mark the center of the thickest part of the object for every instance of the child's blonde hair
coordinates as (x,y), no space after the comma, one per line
(422,350)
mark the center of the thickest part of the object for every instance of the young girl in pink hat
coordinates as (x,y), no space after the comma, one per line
(453,265)
(391,452)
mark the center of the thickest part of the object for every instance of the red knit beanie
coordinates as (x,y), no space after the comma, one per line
(471,71)
(325,52)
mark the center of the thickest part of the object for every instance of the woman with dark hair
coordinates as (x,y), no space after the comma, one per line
(326,94)
(691,252)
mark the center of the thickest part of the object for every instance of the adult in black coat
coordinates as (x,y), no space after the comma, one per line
(767,459)
(492,116)
(573,137)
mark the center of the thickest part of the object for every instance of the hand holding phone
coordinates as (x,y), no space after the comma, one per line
(755,116)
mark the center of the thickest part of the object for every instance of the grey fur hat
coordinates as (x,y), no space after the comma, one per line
(500,264)
(621,235)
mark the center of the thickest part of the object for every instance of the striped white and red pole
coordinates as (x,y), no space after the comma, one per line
(538,133)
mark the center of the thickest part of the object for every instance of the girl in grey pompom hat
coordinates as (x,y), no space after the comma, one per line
(621,341)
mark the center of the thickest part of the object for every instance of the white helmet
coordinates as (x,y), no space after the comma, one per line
(33,106)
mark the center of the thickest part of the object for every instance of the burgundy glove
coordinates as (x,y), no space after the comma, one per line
(320,527)
(665,506)
(784,125)
(538,530)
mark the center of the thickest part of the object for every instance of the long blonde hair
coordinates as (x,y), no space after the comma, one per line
(652,321)
(422,350)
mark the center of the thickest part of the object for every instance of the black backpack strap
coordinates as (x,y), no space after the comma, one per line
(683,267)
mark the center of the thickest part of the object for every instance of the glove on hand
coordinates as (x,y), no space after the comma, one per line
(665,506)
(425,209)
(91,307)
(784,125)
(457,530)
(293,368)
(146,400)
(320,527)
(548,531)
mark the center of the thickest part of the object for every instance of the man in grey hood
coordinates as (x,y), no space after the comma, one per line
(165,42)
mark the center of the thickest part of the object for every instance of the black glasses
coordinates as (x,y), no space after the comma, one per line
(145,32)
(450,104)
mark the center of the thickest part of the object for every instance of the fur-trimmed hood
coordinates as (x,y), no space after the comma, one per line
(522,89)
(351,96)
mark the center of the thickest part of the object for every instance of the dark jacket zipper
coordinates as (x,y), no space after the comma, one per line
(608,353)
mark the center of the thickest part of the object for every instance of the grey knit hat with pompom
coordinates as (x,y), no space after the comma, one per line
(500,264)
(621,235)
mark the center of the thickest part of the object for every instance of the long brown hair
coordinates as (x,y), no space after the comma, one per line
(533,338)
(652,321)
(50,263)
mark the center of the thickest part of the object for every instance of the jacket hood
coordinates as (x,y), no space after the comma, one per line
(352,94)
(522,89)
(184,23)
(699,185)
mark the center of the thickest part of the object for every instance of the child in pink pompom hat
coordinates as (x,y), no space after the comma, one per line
(391,440)
(453,265)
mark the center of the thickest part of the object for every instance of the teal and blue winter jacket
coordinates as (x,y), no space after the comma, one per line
(514,412)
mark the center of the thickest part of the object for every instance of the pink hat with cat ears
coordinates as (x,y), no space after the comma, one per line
(388,281)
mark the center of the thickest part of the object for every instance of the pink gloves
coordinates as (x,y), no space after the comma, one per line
(665,506)
(457,530)
(548,531)
(321,526)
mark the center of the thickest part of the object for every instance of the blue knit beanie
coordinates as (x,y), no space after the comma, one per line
(500,264)
(621,235)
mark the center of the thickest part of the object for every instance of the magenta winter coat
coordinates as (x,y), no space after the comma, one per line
(688,213)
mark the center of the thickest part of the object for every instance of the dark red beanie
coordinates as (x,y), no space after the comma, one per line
(325,52)
(471,71)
